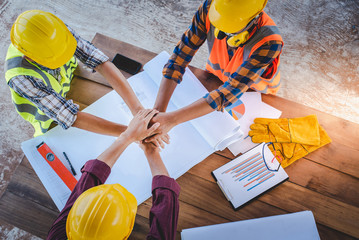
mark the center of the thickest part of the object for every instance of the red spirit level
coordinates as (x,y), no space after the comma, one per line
(57,165)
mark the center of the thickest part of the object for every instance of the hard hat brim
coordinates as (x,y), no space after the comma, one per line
(228,20)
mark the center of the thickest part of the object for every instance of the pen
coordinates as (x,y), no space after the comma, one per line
(72,168)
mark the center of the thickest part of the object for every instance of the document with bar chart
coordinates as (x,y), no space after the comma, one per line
(249,175)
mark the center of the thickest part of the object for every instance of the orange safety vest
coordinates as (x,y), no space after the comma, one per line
(218,62)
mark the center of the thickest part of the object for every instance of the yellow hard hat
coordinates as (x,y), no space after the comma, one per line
(230,16)
(44,38)
(102,212)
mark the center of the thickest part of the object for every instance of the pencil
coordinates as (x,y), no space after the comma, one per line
(72,168)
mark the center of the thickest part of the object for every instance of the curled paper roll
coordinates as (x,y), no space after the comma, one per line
(233,137)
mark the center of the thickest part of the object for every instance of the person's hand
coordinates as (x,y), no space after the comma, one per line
(166,121)
(149,148)
(154,159)
(159,140)
(137,129)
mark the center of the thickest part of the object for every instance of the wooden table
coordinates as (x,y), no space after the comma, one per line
(325,182)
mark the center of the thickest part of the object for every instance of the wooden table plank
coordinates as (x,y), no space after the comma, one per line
(324,180)
(93,92)
(331,184)
(207,196)
(329,233)
(26,204)
(327,211)
(308,174)
(255,209)
(288,196)
(26,215)
(27,185)
(189,216)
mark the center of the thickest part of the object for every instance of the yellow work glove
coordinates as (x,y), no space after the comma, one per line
(290,152)
(304,130)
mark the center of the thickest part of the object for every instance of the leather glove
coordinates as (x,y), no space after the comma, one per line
(304,130)
(290,152)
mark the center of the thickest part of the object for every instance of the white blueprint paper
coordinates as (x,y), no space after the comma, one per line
(218,128)
(188,145)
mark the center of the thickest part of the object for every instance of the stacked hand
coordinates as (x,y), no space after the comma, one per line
(137,129)
(154,159)
(151,126)
(160,134)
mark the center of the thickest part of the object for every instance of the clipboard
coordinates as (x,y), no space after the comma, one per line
(249,176)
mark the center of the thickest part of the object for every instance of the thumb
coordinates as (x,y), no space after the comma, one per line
(153,128)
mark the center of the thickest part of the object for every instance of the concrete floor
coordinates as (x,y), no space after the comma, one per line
(320,60)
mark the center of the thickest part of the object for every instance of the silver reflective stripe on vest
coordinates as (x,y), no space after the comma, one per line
(22,62)
(215,66)
(263,32)
(27,108)
(218,67)
(12,63)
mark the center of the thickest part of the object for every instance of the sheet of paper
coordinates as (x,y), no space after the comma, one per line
(255,108)
(248,176)
(294,226)
(189,91)
(56,188)
(191,142)
(187,147)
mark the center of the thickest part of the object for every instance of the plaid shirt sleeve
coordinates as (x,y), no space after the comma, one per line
(87,53)
(63,111)
(245,75)
(186,48)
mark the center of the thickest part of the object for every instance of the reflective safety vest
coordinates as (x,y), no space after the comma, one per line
(219,64)
(15,65)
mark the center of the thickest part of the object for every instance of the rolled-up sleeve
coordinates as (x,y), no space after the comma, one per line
(186,48)
(87,53)
(165,208)
(94,173)
(248,73)
(51,103)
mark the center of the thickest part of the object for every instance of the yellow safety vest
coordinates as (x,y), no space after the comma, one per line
(15,65)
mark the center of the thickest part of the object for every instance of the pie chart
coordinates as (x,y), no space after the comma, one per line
(236,110)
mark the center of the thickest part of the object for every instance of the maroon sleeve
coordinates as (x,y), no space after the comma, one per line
(165,208)
(94,173)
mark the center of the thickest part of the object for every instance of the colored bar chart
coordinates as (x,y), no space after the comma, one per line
(248,176)
(251,172)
